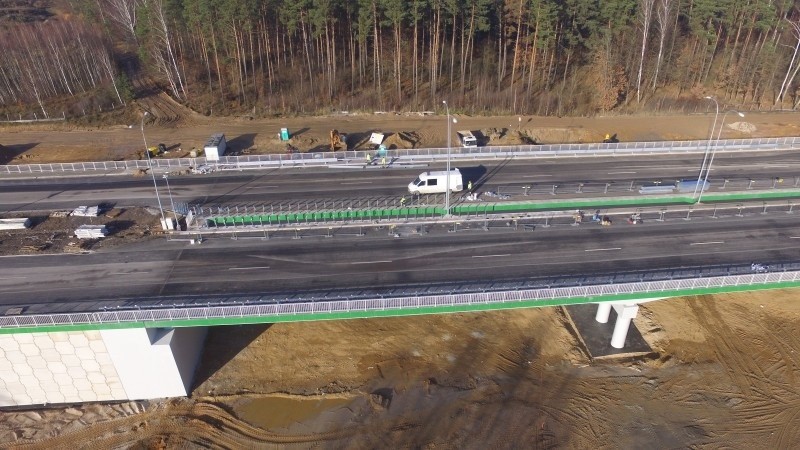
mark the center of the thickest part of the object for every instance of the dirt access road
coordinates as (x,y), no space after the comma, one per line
(26,144)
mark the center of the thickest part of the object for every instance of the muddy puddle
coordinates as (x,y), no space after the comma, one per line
(271,412)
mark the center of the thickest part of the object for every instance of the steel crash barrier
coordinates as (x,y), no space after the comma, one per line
(415,155)
(302,310)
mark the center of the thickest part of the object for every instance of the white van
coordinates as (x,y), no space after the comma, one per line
(467,138)
(435,182)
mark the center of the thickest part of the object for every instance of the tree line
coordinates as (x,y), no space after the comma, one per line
(514,56)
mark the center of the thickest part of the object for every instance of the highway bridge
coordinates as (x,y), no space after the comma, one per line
(151,299)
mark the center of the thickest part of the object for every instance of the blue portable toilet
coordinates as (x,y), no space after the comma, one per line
(284,134)
(382,151)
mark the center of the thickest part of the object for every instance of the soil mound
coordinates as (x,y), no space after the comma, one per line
(744,127)
(402,139)
(504,136)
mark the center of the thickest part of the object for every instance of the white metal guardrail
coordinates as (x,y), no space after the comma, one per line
(418,155)
(410,303)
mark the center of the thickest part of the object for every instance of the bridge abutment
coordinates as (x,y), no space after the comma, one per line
(98,365)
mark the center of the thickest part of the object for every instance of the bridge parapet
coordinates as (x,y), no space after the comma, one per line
(309,308)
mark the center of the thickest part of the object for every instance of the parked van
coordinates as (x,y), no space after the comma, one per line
(467,138)
(436,182)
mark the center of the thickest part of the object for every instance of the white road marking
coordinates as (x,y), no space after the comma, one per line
(371,262)
(707,243)
(248,268)
(12,278)
(619,173)
(358,182)
(534,176)
(794,237)
(124,273)
(491,256)
(602,249)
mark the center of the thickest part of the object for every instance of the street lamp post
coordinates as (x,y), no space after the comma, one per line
(714,150)
(708,145)
(447,189)
(171,202)
(150,169)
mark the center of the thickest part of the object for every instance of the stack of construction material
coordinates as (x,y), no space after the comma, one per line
(15,224)
(86,211)
(91,232)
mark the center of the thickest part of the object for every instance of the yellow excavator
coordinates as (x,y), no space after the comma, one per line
(155,151)
(338,140)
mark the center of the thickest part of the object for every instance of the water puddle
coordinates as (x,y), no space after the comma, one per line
(281,411)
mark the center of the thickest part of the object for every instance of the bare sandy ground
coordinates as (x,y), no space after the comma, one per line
(63,143)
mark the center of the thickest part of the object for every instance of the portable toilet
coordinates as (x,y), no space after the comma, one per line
(284,134)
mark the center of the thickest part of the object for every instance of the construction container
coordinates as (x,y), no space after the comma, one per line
(215,147)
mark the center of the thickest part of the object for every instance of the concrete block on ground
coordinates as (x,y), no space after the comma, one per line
(15,224)
(86,211)
(91,232)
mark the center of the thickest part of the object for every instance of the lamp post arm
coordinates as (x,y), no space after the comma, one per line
(708,145)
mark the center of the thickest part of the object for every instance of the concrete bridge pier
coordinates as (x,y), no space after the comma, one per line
(603,311)
(625,313)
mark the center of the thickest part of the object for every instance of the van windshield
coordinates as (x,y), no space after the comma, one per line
(417,181)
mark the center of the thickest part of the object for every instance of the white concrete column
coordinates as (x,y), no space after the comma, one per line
(603,311)
(625,313)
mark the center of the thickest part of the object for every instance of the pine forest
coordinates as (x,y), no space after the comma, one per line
(271,57)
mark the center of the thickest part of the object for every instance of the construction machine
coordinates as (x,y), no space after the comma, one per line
(338,140)
(155,151)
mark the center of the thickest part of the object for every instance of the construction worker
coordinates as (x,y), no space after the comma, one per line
(469,187)
(403,201)
(383,162)
(369,158)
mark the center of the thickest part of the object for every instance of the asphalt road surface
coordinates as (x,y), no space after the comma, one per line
(224,266)
(334,184)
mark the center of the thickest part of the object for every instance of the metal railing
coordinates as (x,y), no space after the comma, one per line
(411,303)
(398,156)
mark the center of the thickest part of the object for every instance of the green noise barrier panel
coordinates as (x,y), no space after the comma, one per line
(486,208)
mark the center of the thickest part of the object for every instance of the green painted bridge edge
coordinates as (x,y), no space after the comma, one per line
(487,208)
(306,317)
